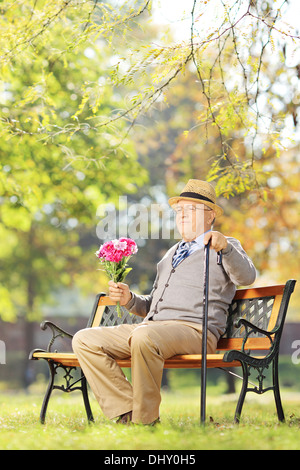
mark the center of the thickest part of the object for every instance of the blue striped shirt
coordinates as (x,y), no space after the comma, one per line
(199,243)
(195,245)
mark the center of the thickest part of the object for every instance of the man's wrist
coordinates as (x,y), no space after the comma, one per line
(130,302)
(228,249)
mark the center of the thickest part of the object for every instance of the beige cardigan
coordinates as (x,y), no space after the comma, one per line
(177,294)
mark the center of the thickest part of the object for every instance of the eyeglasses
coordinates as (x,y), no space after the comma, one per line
(180,210)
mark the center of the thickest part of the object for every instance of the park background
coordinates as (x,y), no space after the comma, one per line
(102,101)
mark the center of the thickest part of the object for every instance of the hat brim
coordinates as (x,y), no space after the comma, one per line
(217,209)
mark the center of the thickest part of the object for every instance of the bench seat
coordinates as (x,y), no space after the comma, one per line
(182,361)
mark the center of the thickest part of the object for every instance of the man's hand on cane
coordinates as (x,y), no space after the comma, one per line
(218,241)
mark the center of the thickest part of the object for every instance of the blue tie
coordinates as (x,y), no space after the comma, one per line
(181,253)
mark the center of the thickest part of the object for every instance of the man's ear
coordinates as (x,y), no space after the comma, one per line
(212,217)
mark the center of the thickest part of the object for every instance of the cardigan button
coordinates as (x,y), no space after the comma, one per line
(166,285)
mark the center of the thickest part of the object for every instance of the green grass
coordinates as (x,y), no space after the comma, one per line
(66,426)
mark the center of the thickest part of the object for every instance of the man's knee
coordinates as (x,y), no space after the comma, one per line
(82,339)
(92,339)
(143,337)
(77,340)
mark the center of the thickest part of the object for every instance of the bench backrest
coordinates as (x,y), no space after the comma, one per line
(265,307)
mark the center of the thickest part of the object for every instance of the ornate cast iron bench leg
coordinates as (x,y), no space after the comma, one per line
(244,389)
(86,399)
(260,389)
(53,366)
(276,390)
(48,392)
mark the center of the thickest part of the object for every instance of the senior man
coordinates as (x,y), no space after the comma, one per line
(172,312)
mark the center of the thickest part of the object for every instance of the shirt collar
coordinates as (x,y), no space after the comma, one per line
(199,240)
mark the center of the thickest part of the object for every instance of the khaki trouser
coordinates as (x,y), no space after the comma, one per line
(148,344)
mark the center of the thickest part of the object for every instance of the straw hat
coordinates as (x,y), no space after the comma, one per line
(198,191)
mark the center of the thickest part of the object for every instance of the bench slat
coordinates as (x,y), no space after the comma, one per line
(184,361)
(259,344)
(259,292)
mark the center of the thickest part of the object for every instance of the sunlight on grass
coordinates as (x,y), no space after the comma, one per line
(67,428)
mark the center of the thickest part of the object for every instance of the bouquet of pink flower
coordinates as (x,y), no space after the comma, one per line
(113,256)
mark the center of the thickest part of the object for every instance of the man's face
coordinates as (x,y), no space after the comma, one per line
(193,219)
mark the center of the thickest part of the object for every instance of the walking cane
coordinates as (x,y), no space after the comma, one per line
(204,326)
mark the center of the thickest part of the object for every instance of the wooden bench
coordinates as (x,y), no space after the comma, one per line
(255,323)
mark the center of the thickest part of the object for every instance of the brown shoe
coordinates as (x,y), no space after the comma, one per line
(156,421)
(125,418)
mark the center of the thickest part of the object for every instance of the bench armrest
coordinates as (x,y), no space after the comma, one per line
(229,356)
(56,332)
(251,328)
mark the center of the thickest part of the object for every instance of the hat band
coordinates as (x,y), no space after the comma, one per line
(196,196)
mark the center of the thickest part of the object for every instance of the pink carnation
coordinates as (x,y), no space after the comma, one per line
(131,247)
(115,250)
(114,256)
